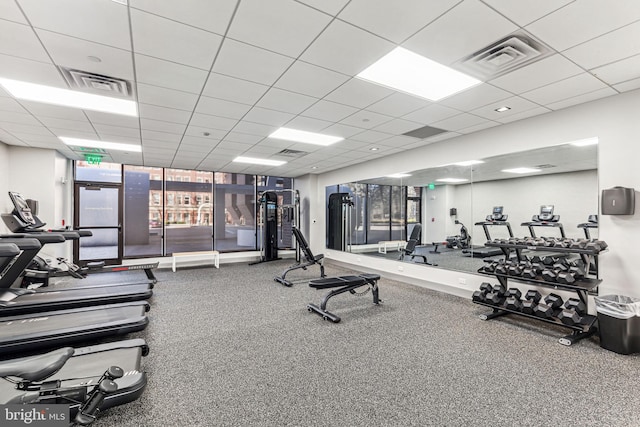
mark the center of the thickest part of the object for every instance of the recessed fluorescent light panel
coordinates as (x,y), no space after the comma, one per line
(585,142)
(409,72)
(469,163)
(399,175)
(521,170)
(305,137)
(452,180)
(254,161)
(68,98)
(78,142)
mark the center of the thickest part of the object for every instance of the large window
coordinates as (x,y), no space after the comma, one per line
(143,211)
(234,219)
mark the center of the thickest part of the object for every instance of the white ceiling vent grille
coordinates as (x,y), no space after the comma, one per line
(292,153)
(504,56)
(97,83)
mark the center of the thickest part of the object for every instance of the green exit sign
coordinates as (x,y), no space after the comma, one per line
(431,187)
(93,159)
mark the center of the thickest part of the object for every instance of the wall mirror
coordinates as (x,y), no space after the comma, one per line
(451,203)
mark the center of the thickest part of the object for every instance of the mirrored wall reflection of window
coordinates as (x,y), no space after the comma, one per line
(234,220)
(378,228)
(287,208)
(397,215)
(143,211)
(188,224)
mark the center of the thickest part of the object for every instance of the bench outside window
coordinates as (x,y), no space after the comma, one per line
(200,255)
(393,244)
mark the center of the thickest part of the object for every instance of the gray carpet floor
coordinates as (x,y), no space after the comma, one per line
(231,347)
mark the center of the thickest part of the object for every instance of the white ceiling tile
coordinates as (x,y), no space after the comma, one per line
(516,104)
(626,69)
(199,131)
(126,132)
(580,99)
(332,7)
(486,125)
(567,88)
(463,30)
(20,40)
(206,14)
(628,85)
(19,117)
(72,133)
(398,104)
(310,80)
(250,63)
(213,122)
(342,130)
(255,128)
(329,111)
(369,136)
(543,72)
(113,119)
(243,138)
(431,114)
(365,119)
(161,113)
(26,133)
(162,126)
(194,143)
(166,39)
(281,26)
(475,97)
(345,48)
(52,122)
(586,19)
(9,10)
(105,22)
(460,121)
(232,89)
(394,21)
(398,141)
(289,102)
(305,123)
(10,104)
(31,71)
(74,53)
(523,13)
(611,47)
(221,108)
(47,110)
(167,74)
(359,93)
(398,126)
(156,95)
(268,117)
(524,115)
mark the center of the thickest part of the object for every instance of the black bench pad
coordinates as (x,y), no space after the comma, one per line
(336,282)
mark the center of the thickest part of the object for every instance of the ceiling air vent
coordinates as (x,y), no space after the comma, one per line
(424,132)
(97,83)
(545,166)
(504,56)
(292,153)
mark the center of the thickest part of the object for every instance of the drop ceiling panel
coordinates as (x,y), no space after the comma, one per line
(475,97)
(19,117)
(10,104)
(255,128)
(72,133)
(394,21)
(398,104)
(587,97)
(516,103)
(281,26)
(166,39)
(543,72)
(486,125)
(307,123)
(161,113)
(162,126)
(167,74)
(119,131)
(523,115)
(221,108)
(611,47)
(20,40)
(205,14)
(331,7)
(370,136)
(243,138)
(567,88)
(251,63)
(460,121)
(288,102)
(47,110)
(213,124)
(523,13)
(268,117)
(628,85)
(346,49)
(398,126)
(113,119)
(199,131)
(310,80)
(329,111)
(468,27)
(103,22)
(365,119)
(626,69)
(431,114)
(342,130)
(31,71)
(156,95)
(75,53)
(9,10)
(51,122)
(359,93)
(232,89)
(586,19)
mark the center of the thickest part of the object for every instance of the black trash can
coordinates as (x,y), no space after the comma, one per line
(619,323)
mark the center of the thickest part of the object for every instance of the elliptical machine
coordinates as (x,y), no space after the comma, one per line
(459,241)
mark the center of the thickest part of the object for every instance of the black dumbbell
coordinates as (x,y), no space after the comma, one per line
(513,301)
(549,275)
(480,295)
(579,244)
(515,269)
(573,313)
(501,268)
(531,299)
(496,296)
(550,307)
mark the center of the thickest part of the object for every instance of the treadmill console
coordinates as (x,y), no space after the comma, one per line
(497,215)
(21,208)
(546,214)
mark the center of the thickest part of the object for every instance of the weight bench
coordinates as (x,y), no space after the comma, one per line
(343,284)
(308,255)
(409,249)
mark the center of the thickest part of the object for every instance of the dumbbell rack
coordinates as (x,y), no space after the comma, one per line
(581,287)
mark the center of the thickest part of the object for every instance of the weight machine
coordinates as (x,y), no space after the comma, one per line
(276,219)
(339,221)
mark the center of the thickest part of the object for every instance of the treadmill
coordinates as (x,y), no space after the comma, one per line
(20,301)
(497,218)
(27,332)
(545,218)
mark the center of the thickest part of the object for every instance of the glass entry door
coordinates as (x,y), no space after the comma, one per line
(98,209)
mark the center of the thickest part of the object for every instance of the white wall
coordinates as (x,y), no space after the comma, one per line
(613,120)
(5,204)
